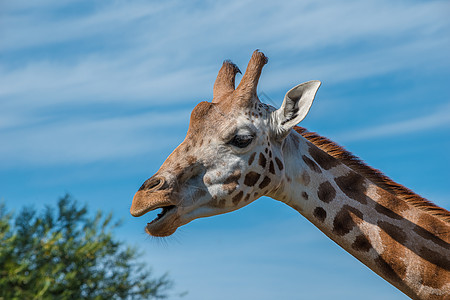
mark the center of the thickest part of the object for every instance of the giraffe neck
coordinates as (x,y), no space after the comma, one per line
(403,243)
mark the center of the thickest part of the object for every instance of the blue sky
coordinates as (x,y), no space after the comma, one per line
(94,95)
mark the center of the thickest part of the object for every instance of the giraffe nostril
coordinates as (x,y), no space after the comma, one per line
(152,184)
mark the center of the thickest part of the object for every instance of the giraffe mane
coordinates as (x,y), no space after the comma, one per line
(374,175)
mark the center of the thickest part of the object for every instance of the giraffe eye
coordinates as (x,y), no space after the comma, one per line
(241,141)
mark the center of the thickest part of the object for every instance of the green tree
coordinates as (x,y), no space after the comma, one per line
(64,253)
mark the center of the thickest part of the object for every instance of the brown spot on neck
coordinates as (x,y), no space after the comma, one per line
(326,192)
(362,244)
(352,185)
(343,223)
(320,214)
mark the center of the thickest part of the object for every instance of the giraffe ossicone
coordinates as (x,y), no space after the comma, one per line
(238,149)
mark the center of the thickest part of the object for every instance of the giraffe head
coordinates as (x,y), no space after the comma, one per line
(232,153)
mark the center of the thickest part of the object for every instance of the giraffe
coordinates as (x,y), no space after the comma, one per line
(238,149)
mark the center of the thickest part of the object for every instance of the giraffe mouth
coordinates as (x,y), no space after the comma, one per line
(165,223)
(165,211)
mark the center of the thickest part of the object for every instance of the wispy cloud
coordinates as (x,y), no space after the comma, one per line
(43,25)
(439,119)
(84,140)
(163,48)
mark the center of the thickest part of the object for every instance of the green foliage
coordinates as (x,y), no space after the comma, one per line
(64,253)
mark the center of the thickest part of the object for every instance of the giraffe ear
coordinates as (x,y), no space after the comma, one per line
(294,109)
